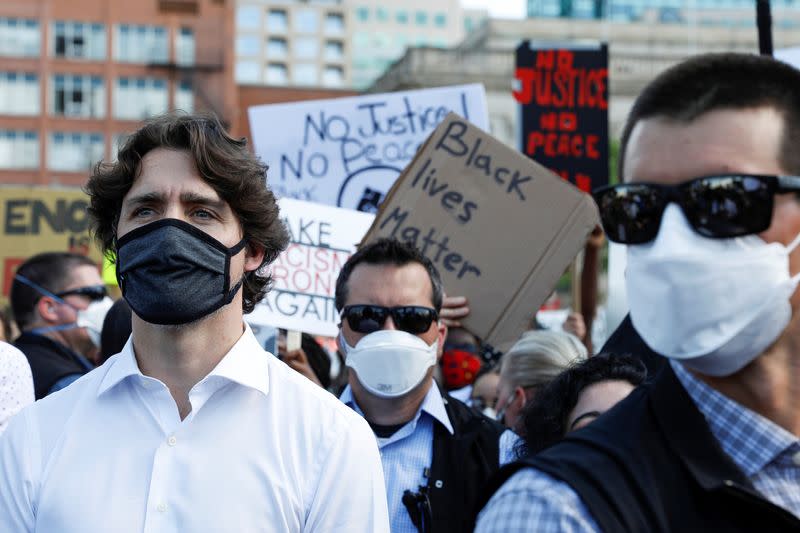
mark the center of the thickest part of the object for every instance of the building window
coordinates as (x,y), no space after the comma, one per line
(277,21)
(19,93)
(304,74)
(421,18)
(440,20)
(78,96)
(248,72)
(306,47)
(333,76)
(248,45)
(79,40)
(141,44)
(277,74)
(334,50)
(382,14)
(19,149)
(184,96)
(184,47)
(74,152)
(306,20)
(138,98)
(334,23)
(401,17)
(363,14)
(248,17)
(20,37)
(277,48)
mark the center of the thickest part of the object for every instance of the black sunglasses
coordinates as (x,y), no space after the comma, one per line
(409,318)
(95,293)
(718,207)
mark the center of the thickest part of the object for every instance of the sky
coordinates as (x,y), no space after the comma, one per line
(499,8)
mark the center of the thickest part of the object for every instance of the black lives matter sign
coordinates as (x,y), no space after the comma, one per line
(564,121)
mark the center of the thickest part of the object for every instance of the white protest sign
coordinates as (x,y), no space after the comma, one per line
(304,275)
(347,152)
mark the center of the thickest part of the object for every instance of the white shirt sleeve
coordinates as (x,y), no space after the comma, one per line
(17,483)
(351,494)
(16,383)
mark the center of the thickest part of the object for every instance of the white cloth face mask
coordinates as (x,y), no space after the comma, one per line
(390,363)
(713,304)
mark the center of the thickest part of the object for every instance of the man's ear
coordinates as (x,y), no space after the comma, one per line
(441,336)
(253,256)
(46,309)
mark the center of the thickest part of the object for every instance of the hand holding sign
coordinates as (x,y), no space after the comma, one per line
(500,228)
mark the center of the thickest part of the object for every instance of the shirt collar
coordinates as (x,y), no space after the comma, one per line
(246,363)
(749,439)
(433,405)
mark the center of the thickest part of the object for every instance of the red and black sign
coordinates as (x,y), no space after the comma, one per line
(564,119)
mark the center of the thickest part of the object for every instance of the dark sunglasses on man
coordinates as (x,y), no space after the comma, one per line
(412,319)
(94,293)
(718,207)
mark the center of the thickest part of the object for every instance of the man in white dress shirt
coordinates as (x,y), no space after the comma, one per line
(193,426)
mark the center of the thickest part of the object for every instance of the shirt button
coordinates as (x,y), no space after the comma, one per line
(162,507)
(796,458)
(172,441)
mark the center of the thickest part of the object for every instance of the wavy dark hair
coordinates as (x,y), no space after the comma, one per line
(222,161)
(544,419)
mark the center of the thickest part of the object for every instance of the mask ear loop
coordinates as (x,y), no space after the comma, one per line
(41,290)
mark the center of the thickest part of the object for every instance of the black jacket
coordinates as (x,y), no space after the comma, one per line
(626,340)
(49,360)
(462,464)
(651,464)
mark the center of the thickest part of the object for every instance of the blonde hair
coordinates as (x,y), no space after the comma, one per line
(539,356)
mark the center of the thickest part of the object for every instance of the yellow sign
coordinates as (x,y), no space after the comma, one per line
(42,219)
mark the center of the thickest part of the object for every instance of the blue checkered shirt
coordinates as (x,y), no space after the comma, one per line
(768,454)
(406,454)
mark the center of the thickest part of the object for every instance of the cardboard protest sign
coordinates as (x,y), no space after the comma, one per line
(347,152)
(304,275)
(564,118)
(500,228)
(37,220)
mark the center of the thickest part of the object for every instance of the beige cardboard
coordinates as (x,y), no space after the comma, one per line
(500,228)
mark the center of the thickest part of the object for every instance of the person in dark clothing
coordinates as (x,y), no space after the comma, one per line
(709,206)
(626,339)
(576,397)
(59,302)
(116,330)
(437,453)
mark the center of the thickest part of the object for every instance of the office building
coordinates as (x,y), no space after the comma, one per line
(382,30)
(299,43)
(77,76)
(725,13)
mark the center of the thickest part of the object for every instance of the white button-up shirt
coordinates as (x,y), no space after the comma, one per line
(263,449)
(16,383)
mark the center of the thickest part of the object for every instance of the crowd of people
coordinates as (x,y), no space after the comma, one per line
(161,410)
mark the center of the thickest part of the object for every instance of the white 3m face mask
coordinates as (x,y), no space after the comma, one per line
(390,363)
(713,304)
(92,318)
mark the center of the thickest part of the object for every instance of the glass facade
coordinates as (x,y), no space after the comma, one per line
(730,13)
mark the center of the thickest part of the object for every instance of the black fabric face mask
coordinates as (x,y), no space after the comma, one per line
(171,272)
